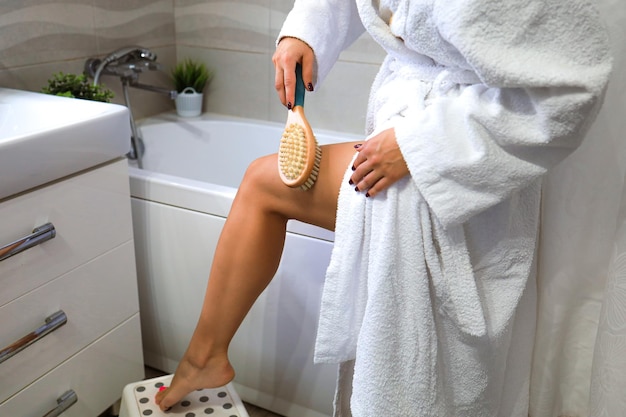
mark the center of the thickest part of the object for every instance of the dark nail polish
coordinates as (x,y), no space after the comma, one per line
(358,145)
(356,189)
(351,182)
(353,168)
(289,105)
(309,86)
(367,194)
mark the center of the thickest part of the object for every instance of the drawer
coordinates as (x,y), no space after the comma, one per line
(96,374)
(95,297)
(91,215)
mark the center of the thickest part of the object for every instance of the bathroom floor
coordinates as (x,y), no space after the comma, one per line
(252,410)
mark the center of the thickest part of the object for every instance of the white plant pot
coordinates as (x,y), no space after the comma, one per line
(189,103)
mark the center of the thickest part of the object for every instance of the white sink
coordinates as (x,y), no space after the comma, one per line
(44,137)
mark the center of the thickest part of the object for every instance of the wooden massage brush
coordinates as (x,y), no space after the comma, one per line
(299,154)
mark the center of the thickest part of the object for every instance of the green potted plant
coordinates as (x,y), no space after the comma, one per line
(76,86)
(190,78)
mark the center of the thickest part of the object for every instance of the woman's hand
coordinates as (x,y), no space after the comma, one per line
(289,52)
(378,164)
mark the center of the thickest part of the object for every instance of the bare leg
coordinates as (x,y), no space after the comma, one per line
(246,258)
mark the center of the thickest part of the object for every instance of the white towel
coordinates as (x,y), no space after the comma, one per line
(384,317)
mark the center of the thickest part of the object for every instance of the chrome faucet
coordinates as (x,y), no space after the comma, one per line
(127,63)
(124,62)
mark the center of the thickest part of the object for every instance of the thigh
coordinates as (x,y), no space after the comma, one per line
(318,205)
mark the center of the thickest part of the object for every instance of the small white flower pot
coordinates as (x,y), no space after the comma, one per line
(189,103)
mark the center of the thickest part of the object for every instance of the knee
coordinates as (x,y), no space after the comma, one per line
(261,174)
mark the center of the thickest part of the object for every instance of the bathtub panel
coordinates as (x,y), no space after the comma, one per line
(273,350)
(174,249)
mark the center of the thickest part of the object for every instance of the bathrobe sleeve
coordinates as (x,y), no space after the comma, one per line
(544,67)
(327,26)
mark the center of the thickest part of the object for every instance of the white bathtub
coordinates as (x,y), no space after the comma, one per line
(192,168)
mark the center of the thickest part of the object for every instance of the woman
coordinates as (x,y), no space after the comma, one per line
(429,299)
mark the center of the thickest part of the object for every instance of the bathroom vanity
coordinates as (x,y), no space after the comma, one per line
(70,336)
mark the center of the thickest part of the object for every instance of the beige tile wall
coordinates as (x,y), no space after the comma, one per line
(234,37)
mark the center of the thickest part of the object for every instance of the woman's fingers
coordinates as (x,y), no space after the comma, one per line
(379,164)
(307,71)
(368,182)
(289,77)
(279,85)
(289,52)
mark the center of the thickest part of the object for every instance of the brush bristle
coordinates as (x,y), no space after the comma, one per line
(292,151)
(293,157)
(315,171)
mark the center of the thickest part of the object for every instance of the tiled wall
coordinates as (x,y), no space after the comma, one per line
(234,37)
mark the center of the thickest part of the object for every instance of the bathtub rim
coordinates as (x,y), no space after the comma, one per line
(171,116)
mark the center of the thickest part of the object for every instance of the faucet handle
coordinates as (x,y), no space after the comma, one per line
(147,54)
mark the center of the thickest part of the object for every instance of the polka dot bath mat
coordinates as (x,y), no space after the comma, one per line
(216,402)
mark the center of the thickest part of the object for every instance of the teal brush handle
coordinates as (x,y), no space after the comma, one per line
(299,87)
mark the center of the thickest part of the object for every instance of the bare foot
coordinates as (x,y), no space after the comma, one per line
(188,377)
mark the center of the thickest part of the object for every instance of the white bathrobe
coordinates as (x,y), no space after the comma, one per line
(429,299)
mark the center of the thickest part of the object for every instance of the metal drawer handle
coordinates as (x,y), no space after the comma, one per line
(39,235)
(51,323)
(64,402)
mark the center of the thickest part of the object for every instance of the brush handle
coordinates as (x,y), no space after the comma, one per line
(299,87)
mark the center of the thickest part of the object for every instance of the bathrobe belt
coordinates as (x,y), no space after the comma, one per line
(441,77)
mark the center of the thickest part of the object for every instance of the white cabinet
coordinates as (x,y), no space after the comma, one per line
(84,277)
